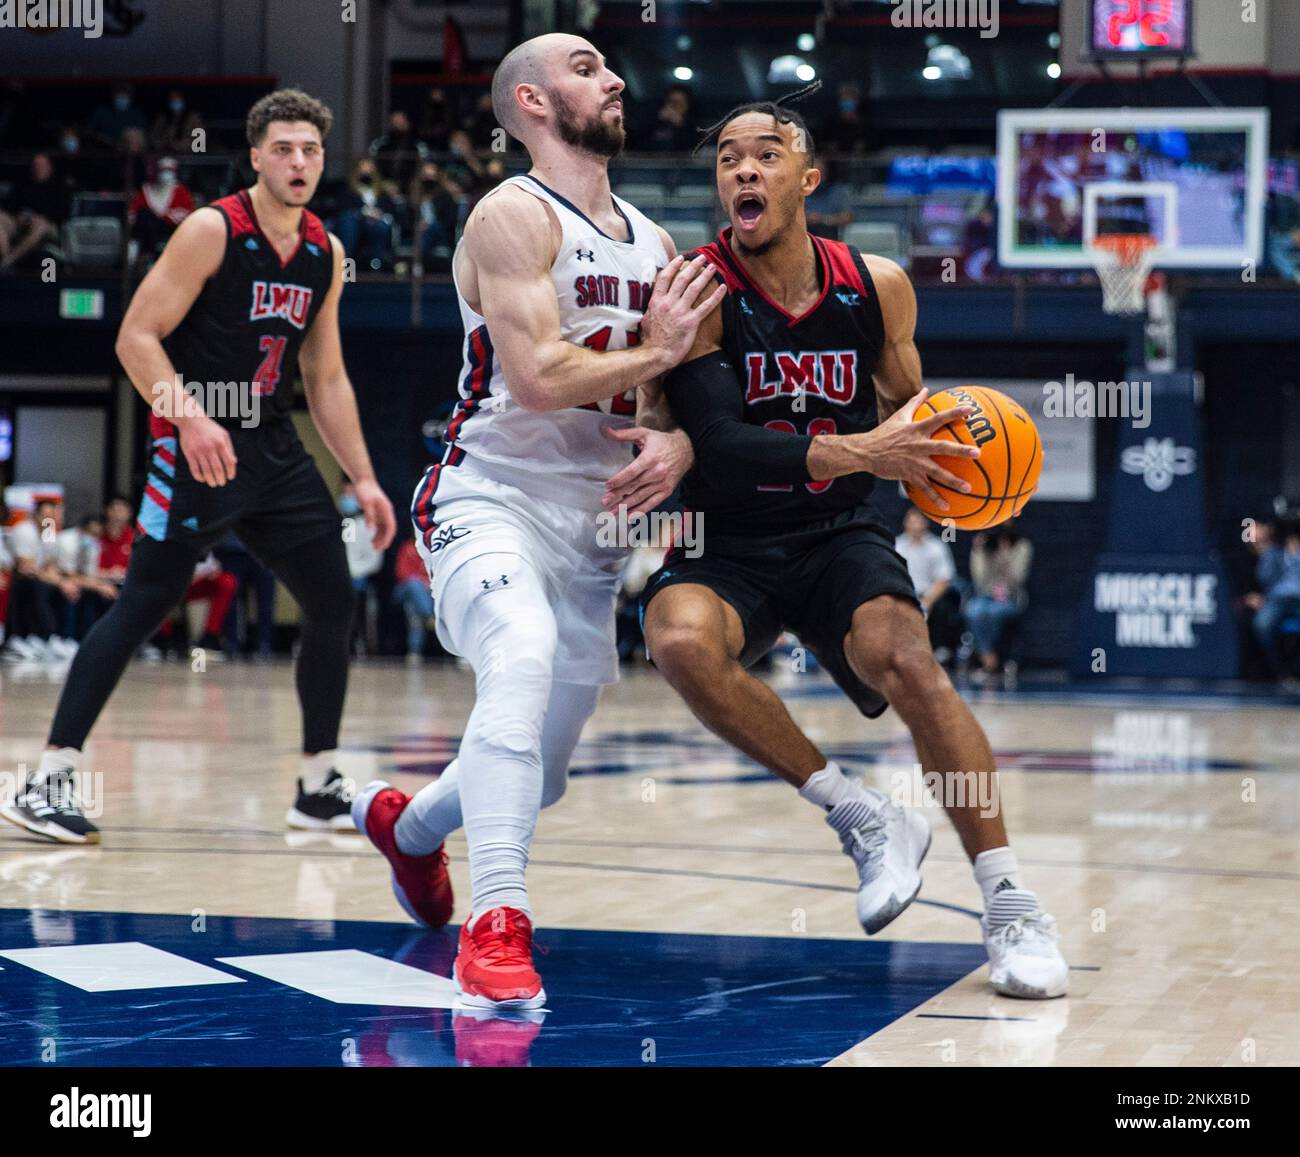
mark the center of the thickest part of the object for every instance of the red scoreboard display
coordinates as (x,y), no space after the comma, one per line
(1133,29)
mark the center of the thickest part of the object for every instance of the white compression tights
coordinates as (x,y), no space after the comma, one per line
(514,756)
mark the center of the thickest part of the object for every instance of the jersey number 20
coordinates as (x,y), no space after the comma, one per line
(815,427)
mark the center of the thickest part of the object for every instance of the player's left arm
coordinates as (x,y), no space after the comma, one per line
(333,406)
(898,372)
(665,454)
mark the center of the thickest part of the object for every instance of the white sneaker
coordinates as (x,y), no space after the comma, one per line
(887,844)
(61,648)
(1024,959)
(21,649)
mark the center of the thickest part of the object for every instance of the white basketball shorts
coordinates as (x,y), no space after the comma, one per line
(461,514)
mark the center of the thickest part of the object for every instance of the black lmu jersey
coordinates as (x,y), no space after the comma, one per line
(802,375)
(247,324)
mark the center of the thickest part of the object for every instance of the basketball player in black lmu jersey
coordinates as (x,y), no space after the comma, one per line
(246,289)
(798,393)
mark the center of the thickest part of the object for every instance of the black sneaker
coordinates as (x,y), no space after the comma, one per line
(50,808)
(327,810)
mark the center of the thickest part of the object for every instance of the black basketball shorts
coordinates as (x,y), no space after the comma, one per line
(810,586)
(276,501)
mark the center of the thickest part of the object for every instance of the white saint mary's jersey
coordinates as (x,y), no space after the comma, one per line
(603,286)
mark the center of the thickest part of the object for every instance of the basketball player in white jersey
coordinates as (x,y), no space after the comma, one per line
(563,340)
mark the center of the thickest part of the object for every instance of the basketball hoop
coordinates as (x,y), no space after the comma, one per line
(1123,262)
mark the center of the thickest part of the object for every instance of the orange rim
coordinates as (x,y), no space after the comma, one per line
(1128,248)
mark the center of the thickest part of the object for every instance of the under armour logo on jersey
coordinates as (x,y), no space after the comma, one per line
(446,536)
(495,584)
(586,255)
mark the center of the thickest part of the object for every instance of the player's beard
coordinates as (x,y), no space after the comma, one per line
(754,250)
(597,136)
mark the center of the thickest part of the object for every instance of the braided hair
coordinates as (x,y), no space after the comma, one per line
(779,110)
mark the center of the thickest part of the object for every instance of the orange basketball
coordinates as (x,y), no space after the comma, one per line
(1003,477)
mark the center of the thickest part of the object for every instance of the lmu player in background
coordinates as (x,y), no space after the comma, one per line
(798,393)
(246,289)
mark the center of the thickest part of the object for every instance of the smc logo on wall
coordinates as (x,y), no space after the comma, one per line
(1158,460)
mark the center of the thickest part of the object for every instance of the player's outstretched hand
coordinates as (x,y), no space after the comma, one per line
(905,449)
(681,300)
(208,450)
(378,512)
(653,474)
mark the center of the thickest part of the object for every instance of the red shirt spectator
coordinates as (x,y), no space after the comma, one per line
(409,565)
(115,545)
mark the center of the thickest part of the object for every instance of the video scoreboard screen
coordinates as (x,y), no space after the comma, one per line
(1133,29)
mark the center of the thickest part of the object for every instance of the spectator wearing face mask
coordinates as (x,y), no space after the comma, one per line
(111,120)
(82,171)
(158,207)
(365,224)
(435,211)
(173,129)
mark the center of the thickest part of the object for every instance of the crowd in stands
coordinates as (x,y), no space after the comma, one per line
(56,581)
(972,623)
(401,204)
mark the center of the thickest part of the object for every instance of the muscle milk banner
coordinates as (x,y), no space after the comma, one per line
(1158,601)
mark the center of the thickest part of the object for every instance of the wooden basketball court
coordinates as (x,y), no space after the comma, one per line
(701,905)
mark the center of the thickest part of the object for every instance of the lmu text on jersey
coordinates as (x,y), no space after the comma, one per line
(829,374)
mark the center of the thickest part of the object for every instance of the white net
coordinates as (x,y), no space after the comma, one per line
(1123,262)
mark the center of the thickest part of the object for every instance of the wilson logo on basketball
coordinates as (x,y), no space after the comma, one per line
(829,374)
(981,429)
(272,299)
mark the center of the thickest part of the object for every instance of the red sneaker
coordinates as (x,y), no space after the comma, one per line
(494,967)
(421,884)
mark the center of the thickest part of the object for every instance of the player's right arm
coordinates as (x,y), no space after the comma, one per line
(509,241)
(165,296)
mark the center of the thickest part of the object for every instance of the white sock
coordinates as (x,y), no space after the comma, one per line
(435,811)
(997,871)
(61,759)
(471,921)
(827,787)
(315,769)
(432,815)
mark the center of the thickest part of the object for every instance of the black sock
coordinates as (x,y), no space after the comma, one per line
(317,576)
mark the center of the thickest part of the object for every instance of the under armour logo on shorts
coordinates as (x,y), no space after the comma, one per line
(495,584)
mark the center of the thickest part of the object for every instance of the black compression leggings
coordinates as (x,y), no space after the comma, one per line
(159,573)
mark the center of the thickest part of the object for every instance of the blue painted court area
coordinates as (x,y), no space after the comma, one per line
(114,989)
